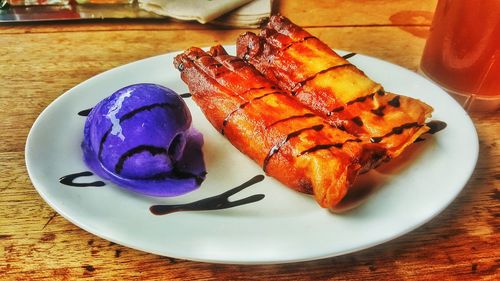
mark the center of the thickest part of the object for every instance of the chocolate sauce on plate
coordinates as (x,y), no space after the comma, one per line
(70,180)
(217,202)
(350,55)
(436,126)
(85,112)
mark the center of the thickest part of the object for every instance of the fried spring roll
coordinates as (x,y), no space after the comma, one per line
(333,87)
(289,141)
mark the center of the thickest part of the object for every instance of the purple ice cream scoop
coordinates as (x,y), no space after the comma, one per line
(141,138)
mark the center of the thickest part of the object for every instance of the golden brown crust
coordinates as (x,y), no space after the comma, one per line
(286,138)
(332,87)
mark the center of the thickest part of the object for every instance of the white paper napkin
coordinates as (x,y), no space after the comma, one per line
(236,13)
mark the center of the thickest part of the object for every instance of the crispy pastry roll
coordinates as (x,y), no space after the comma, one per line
(332,87)
(289,141)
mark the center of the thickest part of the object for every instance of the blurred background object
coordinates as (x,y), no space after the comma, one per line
(462,53)
(238,13)
(104,1)
(36,2)
(230,13)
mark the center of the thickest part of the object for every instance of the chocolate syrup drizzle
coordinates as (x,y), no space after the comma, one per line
(337,109)
(307,115)
(435,126)
(178,174)
(357,120)
(327,146)
(303,82)
(217,202)
(226,120)
(394,102)
(85,112)
(128,116)
(380,92)
(153,150)
(212,203)
(348,56)
(70,180)
(144,108)
(241,106)
(361,99)
(246,55)
(296,42)
(232,60)
(268,94)
(216,65)
(396,131)
(142,148)
(255,89)
(379,111)
(291,135)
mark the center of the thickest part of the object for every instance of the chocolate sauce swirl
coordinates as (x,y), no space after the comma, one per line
(217,202)
(70,180)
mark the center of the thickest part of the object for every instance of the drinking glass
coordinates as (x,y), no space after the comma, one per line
(462,52)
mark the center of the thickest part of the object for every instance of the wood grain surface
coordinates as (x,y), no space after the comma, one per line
(39,62)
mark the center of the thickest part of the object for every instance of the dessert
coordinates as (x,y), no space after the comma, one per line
(332,87)
(141,138)
(269,125)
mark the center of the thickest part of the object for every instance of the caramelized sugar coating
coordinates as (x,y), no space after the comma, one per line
(332,87)
(287,139)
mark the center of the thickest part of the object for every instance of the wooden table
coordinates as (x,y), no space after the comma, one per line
(39,62)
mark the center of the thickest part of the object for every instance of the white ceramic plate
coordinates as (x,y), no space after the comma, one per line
(285,226)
